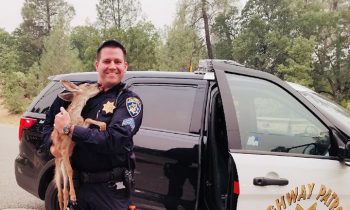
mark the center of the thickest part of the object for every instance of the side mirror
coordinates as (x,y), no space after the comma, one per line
(342,144)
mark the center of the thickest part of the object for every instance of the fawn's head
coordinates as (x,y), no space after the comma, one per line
(81,92)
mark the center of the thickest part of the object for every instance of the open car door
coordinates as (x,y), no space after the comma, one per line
(284,149)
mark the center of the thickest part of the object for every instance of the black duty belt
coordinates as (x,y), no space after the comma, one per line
(115,174)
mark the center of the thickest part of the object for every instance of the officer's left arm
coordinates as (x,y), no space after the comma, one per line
(118,136)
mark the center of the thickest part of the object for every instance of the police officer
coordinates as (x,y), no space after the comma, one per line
(101,159)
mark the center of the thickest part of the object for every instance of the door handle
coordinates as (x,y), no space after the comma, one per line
(263,181)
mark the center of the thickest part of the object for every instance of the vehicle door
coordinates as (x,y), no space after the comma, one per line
(166,146)
(285,150)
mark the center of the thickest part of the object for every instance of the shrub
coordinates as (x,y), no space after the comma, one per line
(18,89)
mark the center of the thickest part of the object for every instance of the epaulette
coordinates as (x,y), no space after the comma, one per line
(124,89)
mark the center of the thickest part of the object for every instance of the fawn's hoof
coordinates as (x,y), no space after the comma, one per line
(72,205)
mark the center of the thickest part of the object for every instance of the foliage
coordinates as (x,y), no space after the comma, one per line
(302,41)
(183,47)
(86,39)
(18,89)
(8,53)
(306,42)
(224,30)
(298,65)
(332,52)
(119,14)
(141,43)
(58,57)
(39,16)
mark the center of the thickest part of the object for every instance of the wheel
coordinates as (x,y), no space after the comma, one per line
(51,201)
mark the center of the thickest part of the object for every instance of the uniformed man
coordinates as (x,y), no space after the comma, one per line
(101,159)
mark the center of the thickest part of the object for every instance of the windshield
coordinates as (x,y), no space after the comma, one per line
(329,107)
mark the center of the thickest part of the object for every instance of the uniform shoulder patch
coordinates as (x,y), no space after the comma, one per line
(133,106)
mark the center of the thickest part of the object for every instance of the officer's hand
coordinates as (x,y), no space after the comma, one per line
(61,119)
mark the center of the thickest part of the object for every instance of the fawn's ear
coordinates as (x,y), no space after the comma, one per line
(70,86)
(67,96)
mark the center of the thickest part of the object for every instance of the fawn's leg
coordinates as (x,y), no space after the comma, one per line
(69,170)
(65,187)
(58,176)
(100,124)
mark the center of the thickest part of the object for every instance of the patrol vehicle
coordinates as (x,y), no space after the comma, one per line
(226,137)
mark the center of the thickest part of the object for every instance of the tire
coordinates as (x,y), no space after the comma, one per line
(51,201)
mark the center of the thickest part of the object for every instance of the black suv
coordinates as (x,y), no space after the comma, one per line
(200,133)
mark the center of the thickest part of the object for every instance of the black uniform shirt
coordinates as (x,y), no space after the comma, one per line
(103,150)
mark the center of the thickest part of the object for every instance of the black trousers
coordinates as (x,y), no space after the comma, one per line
(101,196)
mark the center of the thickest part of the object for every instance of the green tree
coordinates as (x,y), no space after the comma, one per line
(183,46)
(265,33)
(224,29)
(39,16)
(117,13)
(298,66)
(303,41)
(8,53)
(215,20)
(86,40)
(14,90)
(329,21)
(28,48)
(141,42)
(58,57)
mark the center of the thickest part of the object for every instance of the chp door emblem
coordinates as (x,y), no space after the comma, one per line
(108,107)
(133,106)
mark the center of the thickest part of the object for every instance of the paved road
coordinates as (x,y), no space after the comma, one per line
(12,196)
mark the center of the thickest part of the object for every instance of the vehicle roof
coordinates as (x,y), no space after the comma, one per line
(92,76)
(300,88)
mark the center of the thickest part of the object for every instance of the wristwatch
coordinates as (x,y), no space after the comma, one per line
(66,129)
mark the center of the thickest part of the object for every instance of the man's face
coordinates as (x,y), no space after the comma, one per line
(111,66)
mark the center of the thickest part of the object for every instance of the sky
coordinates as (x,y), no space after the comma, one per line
(159,12)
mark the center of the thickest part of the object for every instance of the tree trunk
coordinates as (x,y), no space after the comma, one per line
(206,28)
(48,17)
(119,15)
(334,5)
(115,14)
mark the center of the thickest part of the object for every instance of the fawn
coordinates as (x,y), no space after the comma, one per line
(78,95)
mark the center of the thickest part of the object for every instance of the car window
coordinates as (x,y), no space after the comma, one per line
(167,107)
(45,99)
(272,120)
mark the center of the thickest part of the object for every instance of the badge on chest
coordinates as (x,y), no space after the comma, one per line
(108,107)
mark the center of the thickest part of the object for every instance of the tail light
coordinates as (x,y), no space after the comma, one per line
(236,187)
(25,123)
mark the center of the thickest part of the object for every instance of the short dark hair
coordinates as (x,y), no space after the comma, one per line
(110,43)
